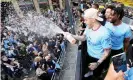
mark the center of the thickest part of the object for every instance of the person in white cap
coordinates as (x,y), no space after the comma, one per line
(98,43)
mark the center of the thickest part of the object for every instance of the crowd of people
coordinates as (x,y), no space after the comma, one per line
(102,33)
(129,12)
(127,9)
(19,57)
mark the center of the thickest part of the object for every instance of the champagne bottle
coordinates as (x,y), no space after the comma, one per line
(69,37)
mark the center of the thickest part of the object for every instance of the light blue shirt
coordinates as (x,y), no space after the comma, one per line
(97,41)
(6,42)
(129,74)
(118,33)
(81,6)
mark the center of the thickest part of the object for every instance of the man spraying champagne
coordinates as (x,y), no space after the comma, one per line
(98,43)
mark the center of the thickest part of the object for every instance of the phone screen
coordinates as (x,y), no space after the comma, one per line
(119,62)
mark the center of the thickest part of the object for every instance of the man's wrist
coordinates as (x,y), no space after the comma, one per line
(98,63)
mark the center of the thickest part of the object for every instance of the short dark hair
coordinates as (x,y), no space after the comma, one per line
(81,11)
(97,6)
(110,7)
(85,6)
(119,11)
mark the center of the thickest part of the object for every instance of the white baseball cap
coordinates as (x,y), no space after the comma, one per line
(92,13)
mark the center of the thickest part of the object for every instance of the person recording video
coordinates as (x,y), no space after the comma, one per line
(127,75)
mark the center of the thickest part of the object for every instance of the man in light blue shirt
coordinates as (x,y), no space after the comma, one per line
(119,34)
(119,31)
(98,43)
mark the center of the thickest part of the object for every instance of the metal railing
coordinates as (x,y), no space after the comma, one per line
(61,58)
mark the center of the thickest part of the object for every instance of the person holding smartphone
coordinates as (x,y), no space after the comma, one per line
(128,75)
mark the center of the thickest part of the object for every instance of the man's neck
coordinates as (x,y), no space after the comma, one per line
(118,22)
(96,26)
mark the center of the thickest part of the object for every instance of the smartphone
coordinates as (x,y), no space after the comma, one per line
(119,62)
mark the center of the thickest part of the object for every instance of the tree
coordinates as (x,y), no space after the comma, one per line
(50,4)
(60,3)
(17,9)
(37,6)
